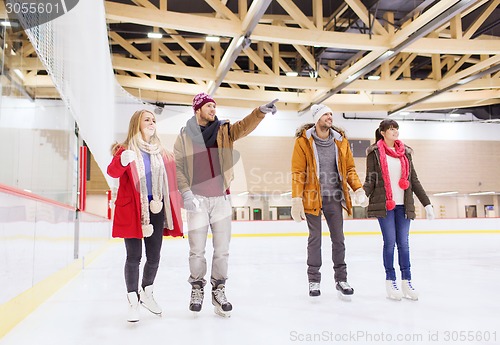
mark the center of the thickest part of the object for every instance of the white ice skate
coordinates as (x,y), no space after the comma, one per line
(345,291)
(147,300)
(133,307)
(392,290)
(408,291)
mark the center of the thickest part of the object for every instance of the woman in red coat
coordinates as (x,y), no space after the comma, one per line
(147,206)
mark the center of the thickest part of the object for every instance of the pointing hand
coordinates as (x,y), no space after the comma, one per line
(269,107)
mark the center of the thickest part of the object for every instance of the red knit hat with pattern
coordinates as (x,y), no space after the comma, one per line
(200,99)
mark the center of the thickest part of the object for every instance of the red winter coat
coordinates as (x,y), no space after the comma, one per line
(127,218)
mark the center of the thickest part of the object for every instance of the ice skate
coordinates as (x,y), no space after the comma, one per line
(408,291)
(345,291)
(197,294)
(392,290)
(133,307)
(314,289)
(221,306)
(147,300)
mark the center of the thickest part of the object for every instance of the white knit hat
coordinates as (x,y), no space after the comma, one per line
(319,110)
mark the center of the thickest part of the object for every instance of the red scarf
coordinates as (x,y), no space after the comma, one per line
(384,150)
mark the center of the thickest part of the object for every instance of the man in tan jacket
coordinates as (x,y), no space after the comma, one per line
(322,169)
(204,159)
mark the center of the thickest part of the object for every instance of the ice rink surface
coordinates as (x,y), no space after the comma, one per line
(457,276)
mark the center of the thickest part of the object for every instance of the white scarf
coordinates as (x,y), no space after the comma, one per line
(159,181)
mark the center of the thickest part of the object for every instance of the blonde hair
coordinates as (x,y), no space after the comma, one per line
(134,132)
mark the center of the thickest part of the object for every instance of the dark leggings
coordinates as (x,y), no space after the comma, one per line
(134,255)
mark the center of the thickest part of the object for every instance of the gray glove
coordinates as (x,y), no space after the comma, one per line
(269,107)
(298,214)
(429,212)
(190,202)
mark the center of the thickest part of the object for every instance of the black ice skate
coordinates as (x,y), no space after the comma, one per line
(345,291)
(197,295)
(314,290)
(221,306)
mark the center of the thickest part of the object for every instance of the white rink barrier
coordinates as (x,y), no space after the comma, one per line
(366,227)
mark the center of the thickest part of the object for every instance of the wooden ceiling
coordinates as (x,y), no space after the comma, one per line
(354,55)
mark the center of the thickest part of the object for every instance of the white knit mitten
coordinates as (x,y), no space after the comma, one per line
(361,198)
(127,157)
(429,212)
(147,230)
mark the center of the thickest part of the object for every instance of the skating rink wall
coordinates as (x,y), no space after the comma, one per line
(43,244)
(366,227)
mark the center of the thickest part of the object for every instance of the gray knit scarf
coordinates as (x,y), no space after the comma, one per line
(323,142)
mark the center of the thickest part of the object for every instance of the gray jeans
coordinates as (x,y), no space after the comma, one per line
(153,250)
(332,209)
(216,213)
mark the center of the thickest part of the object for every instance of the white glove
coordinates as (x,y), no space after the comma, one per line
(360,197)
(269,107)
(298,213)
(127,157)
(429,212)
(190,202)
(147,230)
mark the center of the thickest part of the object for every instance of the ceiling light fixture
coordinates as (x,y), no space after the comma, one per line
(212,38)
(373,77)
(154,35)
(444,193)
(292,74)
(243,193)
(5,23)
(482,193)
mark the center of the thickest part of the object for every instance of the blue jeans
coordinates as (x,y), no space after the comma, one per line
(395,230)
